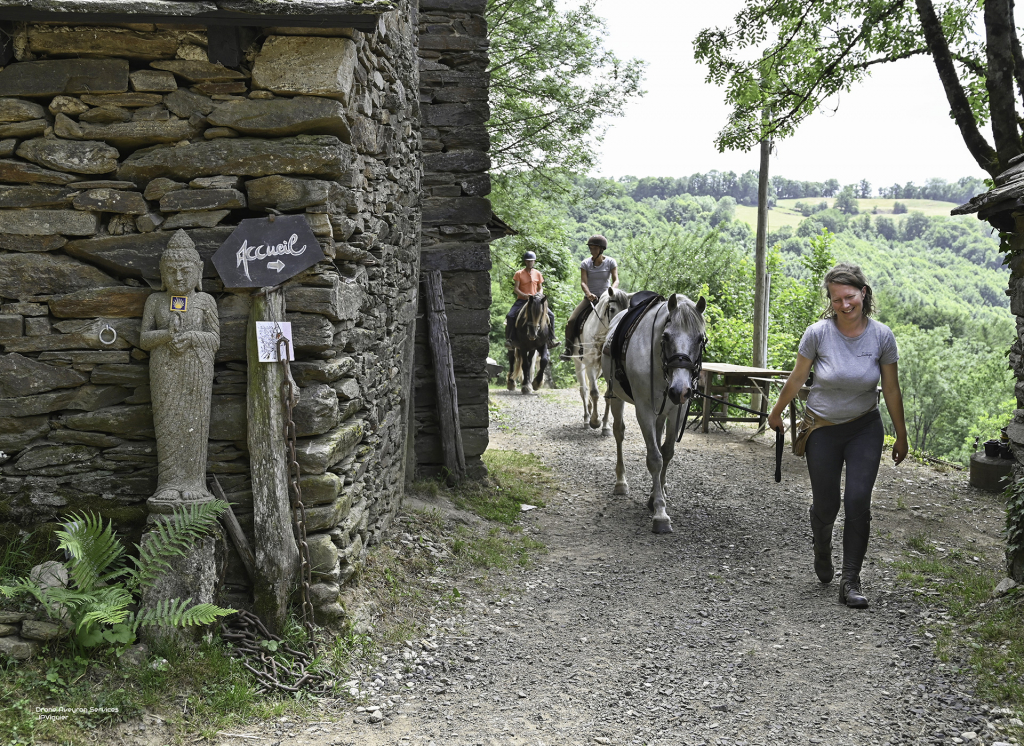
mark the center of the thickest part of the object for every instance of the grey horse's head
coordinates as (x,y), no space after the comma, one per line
(682,345)
(611,302)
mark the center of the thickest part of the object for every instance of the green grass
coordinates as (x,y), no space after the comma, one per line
(515,478)
(983,636)
(200,690)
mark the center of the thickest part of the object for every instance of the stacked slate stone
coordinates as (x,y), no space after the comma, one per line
(1003,208)
(453,95)
(103,158)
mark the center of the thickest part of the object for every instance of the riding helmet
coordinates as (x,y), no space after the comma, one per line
(527,256)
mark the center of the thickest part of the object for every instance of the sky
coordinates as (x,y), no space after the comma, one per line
(893,127)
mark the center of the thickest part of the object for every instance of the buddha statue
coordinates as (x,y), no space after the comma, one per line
(181,332)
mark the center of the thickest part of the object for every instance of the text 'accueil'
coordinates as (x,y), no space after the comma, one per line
(263,252)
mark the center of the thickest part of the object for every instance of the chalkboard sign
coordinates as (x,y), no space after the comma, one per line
(263,252)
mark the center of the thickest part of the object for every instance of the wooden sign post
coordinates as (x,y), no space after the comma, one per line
(259,253)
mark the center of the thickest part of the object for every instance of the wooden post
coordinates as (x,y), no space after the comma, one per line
(277,553)
(444,376)
(234,530)
(760,357)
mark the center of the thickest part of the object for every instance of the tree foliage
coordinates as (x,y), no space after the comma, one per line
(788,57)
(553,84)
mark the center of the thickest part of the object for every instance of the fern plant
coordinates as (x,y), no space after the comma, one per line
(103,585)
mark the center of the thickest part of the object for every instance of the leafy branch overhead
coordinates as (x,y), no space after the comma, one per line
(553,84)
(782,60)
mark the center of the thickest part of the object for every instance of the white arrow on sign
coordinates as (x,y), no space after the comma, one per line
(278,265)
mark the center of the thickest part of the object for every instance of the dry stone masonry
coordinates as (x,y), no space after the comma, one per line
(453,94)
(115,135)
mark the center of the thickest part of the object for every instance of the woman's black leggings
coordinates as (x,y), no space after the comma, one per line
(858,444)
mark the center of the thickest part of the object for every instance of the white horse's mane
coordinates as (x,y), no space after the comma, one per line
(619,296)
(691,321)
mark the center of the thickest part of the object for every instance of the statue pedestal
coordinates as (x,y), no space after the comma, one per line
(197,575)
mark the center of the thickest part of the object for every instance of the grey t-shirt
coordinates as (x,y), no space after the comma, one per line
(846,369)
(598,278)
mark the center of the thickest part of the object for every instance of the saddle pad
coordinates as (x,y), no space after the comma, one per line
(640,304)
(577,330)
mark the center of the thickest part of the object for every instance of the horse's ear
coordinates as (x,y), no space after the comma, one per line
(672,302)
(701,304)
(611,292)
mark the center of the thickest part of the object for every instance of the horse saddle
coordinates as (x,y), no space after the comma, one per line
(639,305)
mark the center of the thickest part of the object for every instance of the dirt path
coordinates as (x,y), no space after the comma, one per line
(716,634)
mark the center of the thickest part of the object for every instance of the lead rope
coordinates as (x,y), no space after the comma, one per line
(780,434)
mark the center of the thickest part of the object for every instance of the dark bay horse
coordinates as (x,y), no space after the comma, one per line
(529,336)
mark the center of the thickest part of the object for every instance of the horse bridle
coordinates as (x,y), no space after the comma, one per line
(539,298)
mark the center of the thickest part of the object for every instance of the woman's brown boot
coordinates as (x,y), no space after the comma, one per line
(821,534)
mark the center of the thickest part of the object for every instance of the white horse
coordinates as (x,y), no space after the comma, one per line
(661,363)
(587,354)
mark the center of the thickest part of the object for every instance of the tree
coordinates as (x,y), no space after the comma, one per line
(846,202)
(553,84)
(820,48)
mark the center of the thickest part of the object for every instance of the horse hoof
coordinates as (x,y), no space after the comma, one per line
(662,526)
(595,425)
(511,385)
(606,431)
(621,489)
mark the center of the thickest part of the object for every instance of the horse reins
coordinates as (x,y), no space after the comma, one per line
(684,361)
(780,434)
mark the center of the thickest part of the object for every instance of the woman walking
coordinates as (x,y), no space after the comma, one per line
(850,352)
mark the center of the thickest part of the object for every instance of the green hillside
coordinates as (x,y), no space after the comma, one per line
(785,213)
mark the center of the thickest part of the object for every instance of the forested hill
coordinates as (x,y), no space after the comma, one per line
(743,188)
(939,281)
(928,267)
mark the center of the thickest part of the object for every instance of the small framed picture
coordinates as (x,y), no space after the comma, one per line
(268,335)
(179,303)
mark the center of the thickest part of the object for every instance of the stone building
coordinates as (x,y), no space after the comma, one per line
(1003,208)
(365,116)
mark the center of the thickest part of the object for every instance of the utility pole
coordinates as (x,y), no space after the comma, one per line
(761,278)
(761,275)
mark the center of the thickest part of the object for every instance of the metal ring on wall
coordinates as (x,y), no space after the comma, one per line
(108,328)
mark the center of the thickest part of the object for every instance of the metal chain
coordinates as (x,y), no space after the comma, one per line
(248,637)
(288,394)
(244,629)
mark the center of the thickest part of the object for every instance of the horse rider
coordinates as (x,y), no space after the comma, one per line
(528,281)
(597,273)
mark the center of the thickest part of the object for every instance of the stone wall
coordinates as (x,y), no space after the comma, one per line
(453,98)
(101,159)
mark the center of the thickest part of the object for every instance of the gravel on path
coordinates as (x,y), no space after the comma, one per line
(718,633)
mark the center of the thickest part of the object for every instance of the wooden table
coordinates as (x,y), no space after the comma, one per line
(737,379)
